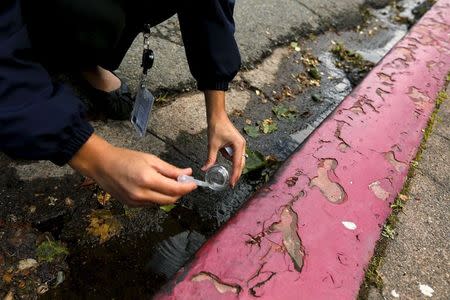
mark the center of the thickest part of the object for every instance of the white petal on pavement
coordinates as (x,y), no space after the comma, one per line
(349,225)
(426,290)
(395,294)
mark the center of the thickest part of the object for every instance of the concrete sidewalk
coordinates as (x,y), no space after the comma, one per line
(260,26)
(416,262)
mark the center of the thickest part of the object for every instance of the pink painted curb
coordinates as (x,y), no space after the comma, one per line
(331,198)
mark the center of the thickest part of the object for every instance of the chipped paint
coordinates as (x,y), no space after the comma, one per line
(332,190)
(385,114)
(398,165)
(220,286)
(291,241)
(379,192)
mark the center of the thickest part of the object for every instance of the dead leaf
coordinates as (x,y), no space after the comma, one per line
(103,225)
(268,126)
(403,197)
(103,197)
(7,277)
(27,264)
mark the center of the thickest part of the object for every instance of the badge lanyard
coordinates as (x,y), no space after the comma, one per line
(143,104)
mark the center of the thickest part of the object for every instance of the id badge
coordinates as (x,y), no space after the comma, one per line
(142,108)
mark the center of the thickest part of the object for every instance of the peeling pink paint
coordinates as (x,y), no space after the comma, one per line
(331,189)
(398,165)
(379,192)
(382,143)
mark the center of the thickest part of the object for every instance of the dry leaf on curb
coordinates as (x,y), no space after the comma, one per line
(103,225)
(268,126)
(27,264)
(403,197)
(103,198)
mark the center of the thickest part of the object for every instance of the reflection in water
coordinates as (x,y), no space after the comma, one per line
(171,254)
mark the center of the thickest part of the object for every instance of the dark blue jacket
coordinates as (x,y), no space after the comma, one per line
(42,120)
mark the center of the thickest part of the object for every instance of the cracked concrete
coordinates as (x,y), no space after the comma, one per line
(258,30)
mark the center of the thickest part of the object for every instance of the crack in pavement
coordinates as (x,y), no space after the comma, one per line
(174,147)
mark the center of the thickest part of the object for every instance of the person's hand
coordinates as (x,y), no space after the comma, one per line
(222,133)
(134,178)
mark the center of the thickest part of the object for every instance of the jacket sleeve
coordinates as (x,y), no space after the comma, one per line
(207,28)
(39,119)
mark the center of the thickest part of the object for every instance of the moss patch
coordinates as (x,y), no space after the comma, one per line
(50,250)
(373,278)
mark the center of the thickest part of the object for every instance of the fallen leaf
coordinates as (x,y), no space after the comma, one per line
(42,289)
(52,200)
(32,209)
(27,264)
(284,112)
(7,277)
(68,201)
(403,197)
(103,197)
(254,161)
(248,122)
(21,284)
(103,225)
(294,45)
(268,126)
(252,131)
(167,208)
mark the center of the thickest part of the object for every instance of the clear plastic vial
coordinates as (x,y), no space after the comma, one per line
(216,178)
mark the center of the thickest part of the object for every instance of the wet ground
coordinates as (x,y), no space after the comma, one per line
(63,236)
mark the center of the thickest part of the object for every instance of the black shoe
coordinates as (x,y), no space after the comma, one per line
(115,105)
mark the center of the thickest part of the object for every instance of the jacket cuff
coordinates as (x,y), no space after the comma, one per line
(79,138)
(213,85)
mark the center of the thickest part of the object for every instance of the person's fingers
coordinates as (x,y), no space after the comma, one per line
(170,187)
(169,170)
(212,157)
(238,162)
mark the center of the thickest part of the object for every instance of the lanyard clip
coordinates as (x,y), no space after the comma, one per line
(148,56)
